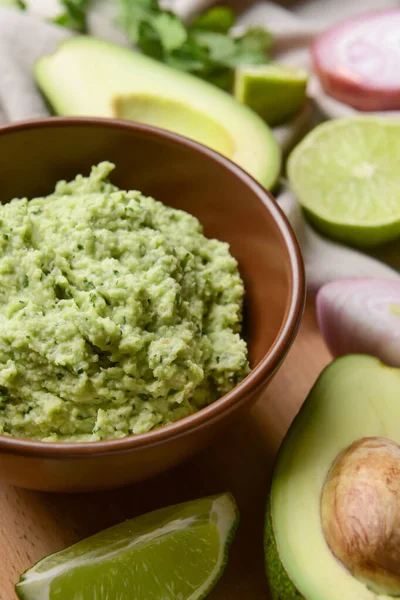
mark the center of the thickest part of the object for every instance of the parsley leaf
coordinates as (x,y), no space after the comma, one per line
(14,3)
(219,19)
(156,32)
(252,48)
(191,58)
(134,14)
(219,47)
(171,31)
(74,16)
(256,39)
(205,48)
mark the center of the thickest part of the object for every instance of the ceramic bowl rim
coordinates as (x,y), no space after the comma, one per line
(265,368)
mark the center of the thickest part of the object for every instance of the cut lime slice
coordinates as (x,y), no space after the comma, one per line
(276,92)
(176,552)
(346,175)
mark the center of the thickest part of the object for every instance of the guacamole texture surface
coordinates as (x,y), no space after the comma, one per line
(117,315)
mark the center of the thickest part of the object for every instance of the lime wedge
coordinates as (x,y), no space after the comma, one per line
(346,175)
(276,92)
(176,552)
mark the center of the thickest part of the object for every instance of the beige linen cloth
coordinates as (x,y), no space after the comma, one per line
(24,37)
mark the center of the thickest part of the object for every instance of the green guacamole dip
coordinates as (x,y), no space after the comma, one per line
(117,315)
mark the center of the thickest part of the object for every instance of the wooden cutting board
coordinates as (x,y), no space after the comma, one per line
(33,524)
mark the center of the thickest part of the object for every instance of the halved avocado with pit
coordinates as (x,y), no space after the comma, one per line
(333,518)
(91,77)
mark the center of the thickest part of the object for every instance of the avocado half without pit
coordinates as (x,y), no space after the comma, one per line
(333,518)
(91,77)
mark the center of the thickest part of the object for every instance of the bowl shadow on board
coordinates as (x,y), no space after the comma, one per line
(232,207)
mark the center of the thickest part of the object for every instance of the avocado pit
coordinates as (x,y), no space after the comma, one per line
(360,512)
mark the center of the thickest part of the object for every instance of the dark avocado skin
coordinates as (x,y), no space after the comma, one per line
(281,586)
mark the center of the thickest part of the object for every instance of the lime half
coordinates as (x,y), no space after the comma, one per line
(276,92)
(174,553)
(346,175)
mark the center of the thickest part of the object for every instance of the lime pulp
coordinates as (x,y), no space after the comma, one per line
(175,552)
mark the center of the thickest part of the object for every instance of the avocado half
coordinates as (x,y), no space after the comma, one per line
(91,77)
(355,397)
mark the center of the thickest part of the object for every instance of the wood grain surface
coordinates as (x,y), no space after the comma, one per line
(34,524)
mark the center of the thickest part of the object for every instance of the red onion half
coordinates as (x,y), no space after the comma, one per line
(358,61)
(361,316)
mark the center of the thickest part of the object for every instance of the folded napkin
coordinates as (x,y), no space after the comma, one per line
(24,37)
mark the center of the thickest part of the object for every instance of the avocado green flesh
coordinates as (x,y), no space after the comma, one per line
(90,77)
(281,586)
(180,118)
(356,396)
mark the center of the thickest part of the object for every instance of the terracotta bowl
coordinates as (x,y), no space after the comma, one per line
(232,207)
